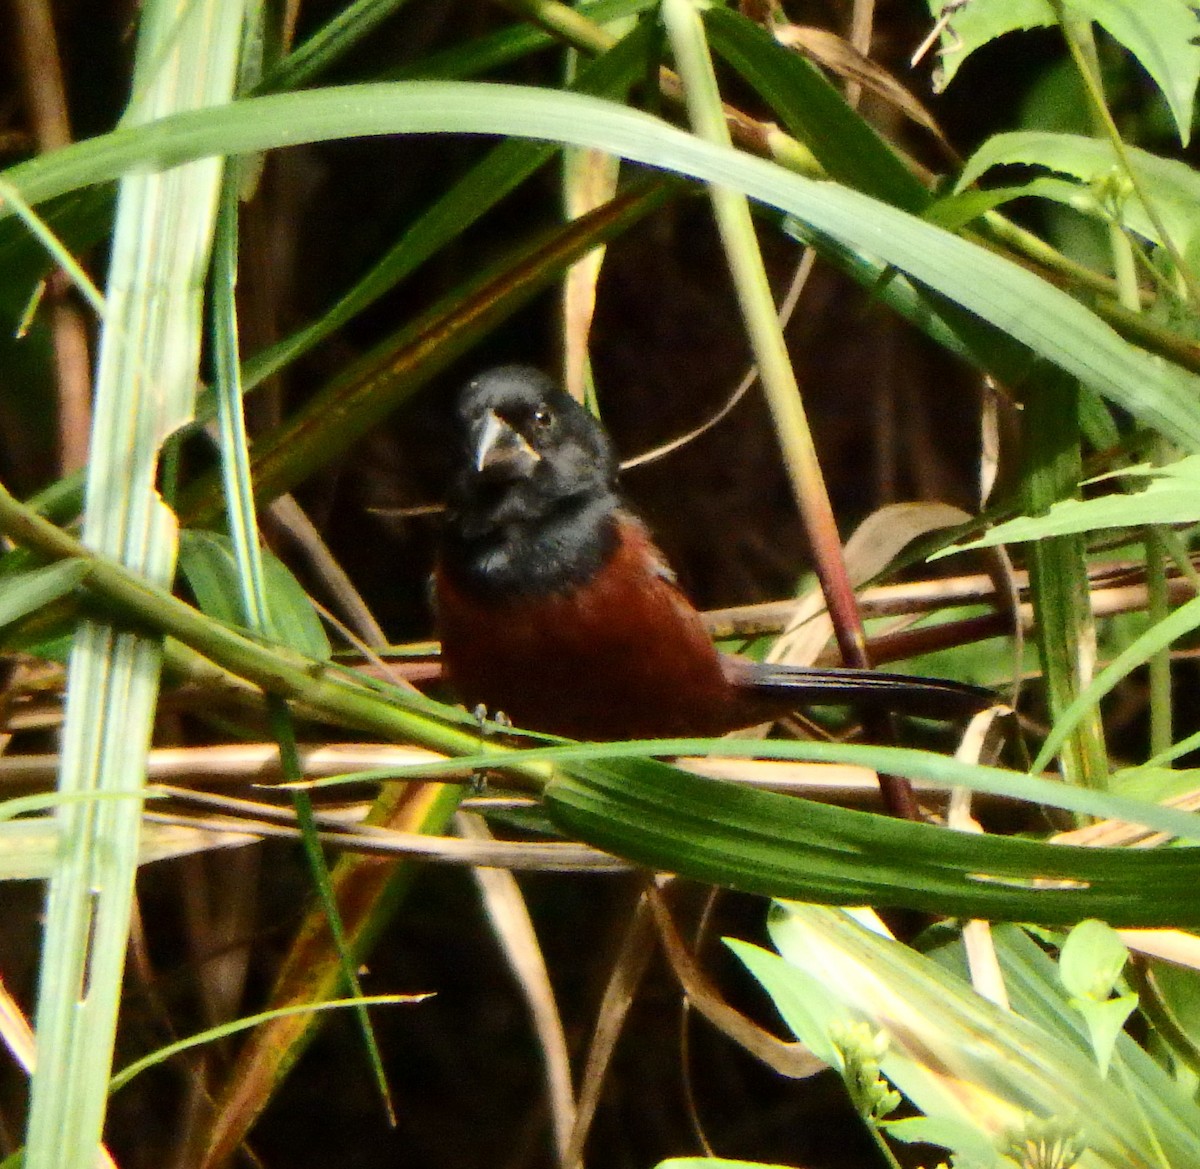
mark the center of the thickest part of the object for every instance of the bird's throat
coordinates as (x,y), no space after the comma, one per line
(524,557)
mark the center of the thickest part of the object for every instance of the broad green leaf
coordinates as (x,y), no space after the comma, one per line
(1174,187)
(928,766)
(1158,1104)
(207,563)
(1161,34)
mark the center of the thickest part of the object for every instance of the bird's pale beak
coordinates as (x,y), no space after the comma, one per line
(501,452)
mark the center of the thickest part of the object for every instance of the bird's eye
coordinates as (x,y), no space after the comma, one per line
(542,417)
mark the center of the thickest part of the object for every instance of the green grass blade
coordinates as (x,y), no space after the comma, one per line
(813,111)
(762,842)
(1058,580)
(146,380)
(1016,301)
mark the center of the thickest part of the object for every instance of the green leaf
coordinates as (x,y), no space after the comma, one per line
(23,593)
(632,758)
(1091,960)
(1182,621)
(1150,1098)
(813,111)
(207,562)
(500,172)
(1171,496)
(1105,1022)
(246,1023)
(956,1055)
(807,1007)
(1173,186)
(970,1148)
(147,372)
(1171,999)
(1161,34)
(1058,580)
(976,24)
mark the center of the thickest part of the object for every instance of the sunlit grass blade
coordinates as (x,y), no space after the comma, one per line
(145,386)
(957,1056)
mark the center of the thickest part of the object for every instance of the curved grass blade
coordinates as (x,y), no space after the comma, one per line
(1016,301)
(761,842)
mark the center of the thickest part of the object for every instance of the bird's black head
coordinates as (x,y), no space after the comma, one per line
(532,504)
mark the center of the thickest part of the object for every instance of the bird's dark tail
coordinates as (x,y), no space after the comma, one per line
(799,686)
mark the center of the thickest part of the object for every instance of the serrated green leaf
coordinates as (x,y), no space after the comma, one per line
(976,24)
(1159,33)
(1174,187)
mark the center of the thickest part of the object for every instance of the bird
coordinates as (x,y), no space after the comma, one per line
(555,608)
